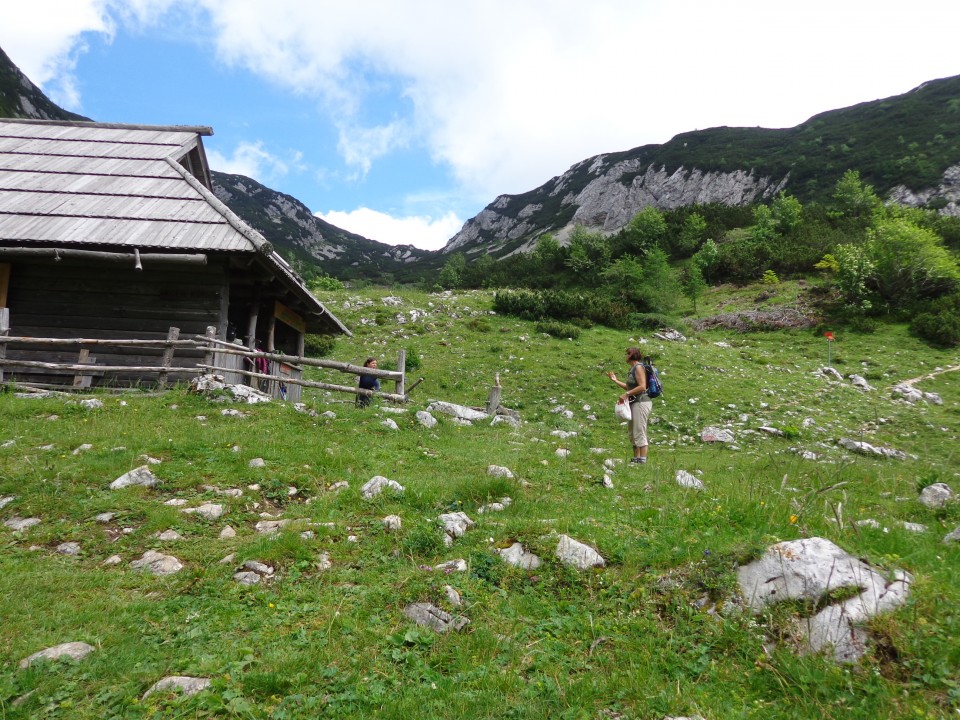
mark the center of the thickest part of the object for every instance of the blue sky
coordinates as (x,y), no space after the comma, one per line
(401,120)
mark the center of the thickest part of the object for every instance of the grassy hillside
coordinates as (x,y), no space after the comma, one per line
(656,632)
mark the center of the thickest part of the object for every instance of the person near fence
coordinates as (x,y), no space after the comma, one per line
(368,382)
(635,392)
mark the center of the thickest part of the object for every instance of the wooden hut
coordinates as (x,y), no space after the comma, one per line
(113,231)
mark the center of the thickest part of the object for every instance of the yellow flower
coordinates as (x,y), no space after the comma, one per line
(793,519)
(269,604)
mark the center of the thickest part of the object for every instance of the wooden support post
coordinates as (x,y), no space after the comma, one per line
(493,399)
(211,335)
(402,369)
(4,331)
(173,334)
(252,324)
(80,380)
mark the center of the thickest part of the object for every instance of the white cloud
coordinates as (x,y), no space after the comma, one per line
(423,231)
(507,93)
(249,159)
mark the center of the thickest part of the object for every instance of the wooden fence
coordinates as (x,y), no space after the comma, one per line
(283,379)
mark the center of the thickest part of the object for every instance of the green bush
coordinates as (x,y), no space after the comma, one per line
(558,329)
(319,346)
(648,321)
(939,325)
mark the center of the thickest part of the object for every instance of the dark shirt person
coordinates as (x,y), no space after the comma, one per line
(368,382)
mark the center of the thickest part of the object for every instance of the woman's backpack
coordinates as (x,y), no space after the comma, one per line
(654,386)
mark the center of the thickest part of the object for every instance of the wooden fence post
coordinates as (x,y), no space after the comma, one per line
(496,393)
(173,334)
(211,335)
(4,331)
(402,368)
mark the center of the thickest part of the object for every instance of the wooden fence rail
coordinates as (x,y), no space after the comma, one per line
(208,344)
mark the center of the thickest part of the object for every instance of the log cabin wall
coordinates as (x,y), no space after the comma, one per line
(78,299)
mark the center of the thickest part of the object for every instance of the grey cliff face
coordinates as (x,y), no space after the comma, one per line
(612,195)
(948,191)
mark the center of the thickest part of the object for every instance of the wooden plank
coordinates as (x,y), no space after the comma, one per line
(83,381)
(4,331)
(310,383)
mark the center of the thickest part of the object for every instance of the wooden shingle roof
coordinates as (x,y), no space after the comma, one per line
(120,187)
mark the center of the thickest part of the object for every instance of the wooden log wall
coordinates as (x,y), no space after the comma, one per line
(74,299)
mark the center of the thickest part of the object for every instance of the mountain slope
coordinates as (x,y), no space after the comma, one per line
(907,146)
(290,226)
(20,98)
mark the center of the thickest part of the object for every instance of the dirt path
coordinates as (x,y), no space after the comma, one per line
(928,376)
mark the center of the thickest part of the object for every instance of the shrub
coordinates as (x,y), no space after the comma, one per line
(939,325)
(319,345)
(648,321)
(559,329)
(770,278)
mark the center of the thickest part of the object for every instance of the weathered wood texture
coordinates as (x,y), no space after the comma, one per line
(71,299)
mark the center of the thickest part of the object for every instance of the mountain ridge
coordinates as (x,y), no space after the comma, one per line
(907,146)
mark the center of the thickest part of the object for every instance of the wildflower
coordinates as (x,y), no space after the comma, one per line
(793,519)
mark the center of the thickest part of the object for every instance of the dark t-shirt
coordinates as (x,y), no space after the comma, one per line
(369,382)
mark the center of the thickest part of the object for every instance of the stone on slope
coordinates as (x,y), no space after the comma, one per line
(377,484)
(518,556)
(431,616)
(72,650)
(181,683)
(157,563)
(138,476)
(581,556)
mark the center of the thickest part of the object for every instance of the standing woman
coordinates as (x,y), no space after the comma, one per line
(635,392)
(368,382)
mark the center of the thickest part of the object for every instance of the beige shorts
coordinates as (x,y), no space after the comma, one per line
(640,415)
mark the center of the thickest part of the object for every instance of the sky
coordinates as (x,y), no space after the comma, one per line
(401,120)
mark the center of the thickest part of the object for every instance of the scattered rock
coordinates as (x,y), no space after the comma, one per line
(457,411)
(113,560)
(453,597)
(82,448)
(451,566)
(18,523)
(426,419)
(670,334)
(390,424)
(913,527)
(6,500)
(505,419)
(829,372)
(430,616)
(686,480)
(715,434)
(378,484)
(72,650)
(562,452)
(952,536)
(157,563)
(770,430)
(138,476)
(936,495)
(169,535)
(455,524)
(269,527)
(865,448)
(499,471)
(812,568)
(858,381)
(105,517)
(574,552)
(518,556)
(392,523)
(91,404)
(495,506)
(227,533)
(257,462)
(324,562)
(209,511)
(186,685)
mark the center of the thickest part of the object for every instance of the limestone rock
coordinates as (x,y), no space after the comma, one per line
(715,434)
(576,553)
(686,480)
(157,563)
(936,495)
(72,650)
(812,568)
(455,524)
(377,484)
(18,523)
(518,556)
(181,683)
(138,476)
(209,511)
(458,411)
(499,471)
(426,419)
(392,523)
(269,527)
(431,616)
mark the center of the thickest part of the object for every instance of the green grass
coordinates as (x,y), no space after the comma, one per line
(623,641)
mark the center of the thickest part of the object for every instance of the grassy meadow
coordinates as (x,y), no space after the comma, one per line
(657,632)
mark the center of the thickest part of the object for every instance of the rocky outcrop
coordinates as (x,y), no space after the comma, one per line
(604,193)
(947,194)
